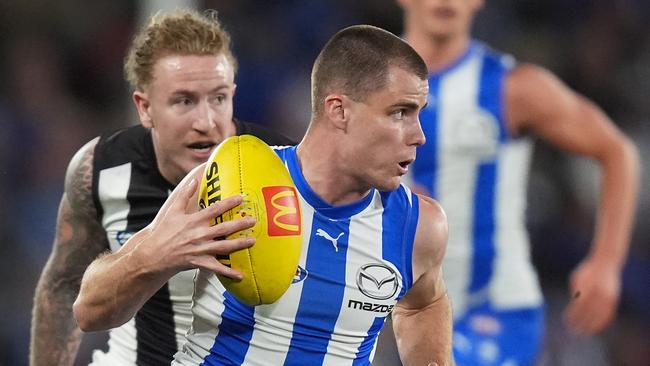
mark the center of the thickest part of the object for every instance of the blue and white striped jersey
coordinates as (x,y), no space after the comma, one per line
(478,173)
(356,263)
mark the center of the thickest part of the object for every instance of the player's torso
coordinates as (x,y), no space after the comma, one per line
(128,190)
(478,172)
(354,266)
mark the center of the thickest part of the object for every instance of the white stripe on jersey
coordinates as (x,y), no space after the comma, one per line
(206,314)
(457,193)
(284,310)
(514,282)
(113,187)
(180,293)
(363,235)
(121,348)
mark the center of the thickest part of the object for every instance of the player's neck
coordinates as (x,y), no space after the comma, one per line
(438,52)
(322,166)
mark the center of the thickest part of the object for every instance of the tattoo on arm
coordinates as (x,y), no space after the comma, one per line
(79,239)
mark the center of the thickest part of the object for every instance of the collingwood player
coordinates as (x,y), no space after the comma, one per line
(182,71)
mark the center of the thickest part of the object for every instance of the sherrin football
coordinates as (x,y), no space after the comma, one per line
(245,165)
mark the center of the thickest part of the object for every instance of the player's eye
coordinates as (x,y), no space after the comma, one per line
(219,98)
(183,101)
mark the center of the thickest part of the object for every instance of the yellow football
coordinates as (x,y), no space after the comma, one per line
(245,165)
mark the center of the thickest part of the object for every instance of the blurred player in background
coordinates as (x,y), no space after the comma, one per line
(483,111)
(182,71)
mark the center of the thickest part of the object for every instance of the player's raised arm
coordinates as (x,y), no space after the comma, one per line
(422,319)
(116,285)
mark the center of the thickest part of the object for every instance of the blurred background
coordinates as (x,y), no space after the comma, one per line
(61,84)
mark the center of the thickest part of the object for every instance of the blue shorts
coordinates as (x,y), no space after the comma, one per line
(487,337)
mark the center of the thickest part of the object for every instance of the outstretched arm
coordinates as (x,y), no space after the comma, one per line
(537,101)
(79,239)
(116,285)
(422,318)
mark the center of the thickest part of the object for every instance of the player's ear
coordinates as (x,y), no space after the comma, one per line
(336,111)
(142,105)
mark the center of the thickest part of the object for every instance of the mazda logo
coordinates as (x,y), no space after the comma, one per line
(377,281)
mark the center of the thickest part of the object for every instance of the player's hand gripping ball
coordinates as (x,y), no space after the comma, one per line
(245,165)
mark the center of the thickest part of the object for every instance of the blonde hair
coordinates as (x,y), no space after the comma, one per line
(182,32)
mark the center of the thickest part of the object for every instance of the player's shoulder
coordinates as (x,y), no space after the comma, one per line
(503,59)
(79,176)
(431,211)
(269,136)
(124,145)
(432,230)
(82,159)
(529,74)
(527,84)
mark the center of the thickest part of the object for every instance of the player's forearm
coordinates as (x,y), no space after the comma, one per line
(620,175)
(424,336)
(55,336)
(113,289)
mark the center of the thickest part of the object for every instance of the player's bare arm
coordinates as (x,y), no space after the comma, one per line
(422,319)
(79,239)
(116,285)
(539,102)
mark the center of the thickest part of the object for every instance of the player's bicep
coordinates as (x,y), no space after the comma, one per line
(80,236)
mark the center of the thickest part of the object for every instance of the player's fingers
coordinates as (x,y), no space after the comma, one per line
(582,314)
(219,207)
(226,228)
(574,314)
(210,263)
(226,246)
(601,314)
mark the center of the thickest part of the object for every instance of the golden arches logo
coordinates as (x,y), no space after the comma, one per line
(284,210)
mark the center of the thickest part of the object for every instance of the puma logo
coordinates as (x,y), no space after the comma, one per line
(324,234)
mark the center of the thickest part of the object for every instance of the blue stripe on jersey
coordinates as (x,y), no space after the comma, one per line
(490,93)
(363,354)
(489,99)
(235,332)
(483,227)
(322,293)
(425,168)
(399,221)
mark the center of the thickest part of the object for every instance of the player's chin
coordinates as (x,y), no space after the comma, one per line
(389,184)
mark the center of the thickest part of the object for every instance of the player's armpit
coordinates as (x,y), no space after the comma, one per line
(79,239)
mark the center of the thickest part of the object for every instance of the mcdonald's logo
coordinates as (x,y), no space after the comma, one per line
(282,210)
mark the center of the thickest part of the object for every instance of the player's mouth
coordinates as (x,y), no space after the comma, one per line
(444,12)
(404,165)
(202,149)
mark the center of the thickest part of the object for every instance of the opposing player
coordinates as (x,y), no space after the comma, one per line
(483,108)
(182,70)
(371,246)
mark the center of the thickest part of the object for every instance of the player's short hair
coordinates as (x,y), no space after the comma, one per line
(179,32)
(356,60)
